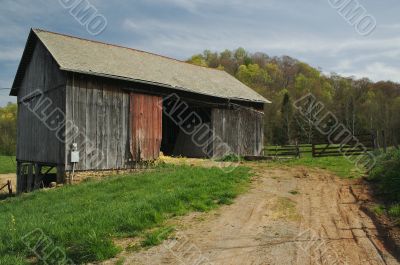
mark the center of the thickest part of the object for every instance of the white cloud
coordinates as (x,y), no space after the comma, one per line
(253,36)
(194,6)
(4,93)
(189,5)
(344,65)
(376,71)
(361,57)
(389,26)
(11,54)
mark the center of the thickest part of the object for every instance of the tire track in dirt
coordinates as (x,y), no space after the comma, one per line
(322,224)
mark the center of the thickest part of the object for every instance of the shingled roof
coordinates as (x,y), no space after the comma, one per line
(96,58)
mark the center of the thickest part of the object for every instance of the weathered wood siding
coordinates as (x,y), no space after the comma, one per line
(146,124)
(42,92)
(98,111)
(238,131)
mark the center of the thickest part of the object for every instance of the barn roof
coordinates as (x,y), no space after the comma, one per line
(96,58)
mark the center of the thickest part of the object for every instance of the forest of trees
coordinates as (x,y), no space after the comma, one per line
(8,129)
(360,104)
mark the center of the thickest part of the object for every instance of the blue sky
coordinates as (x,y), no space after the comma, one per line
(309,30)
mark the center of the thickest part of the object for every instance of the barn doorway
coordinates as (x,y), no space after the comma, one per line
(186,129)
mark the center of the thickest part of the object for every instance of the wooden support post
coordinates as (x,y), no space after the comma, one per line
(22,179)
(9,187)
(60,174)
(38,176)
(297,149)
(18,177)
(313,149)
(29,182)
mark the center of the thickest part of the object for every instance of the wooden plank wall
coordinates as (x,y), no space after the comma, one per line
(146,124)
(241,129)
(35,141)
(99,110)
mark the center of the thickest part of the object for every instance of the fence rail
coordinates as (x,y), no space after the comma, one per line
(354,146)
(287,151)
(324,147)
(8,186)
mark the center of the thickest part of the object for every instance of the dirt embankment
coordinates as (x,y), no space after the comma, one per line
(289,216)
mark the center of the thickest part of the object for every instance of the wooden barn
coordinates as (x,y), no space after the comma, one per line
(87,105)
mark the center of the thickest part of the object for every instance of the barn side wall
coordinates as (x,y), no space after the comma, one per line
(239,131)
(98,114)
(41,93)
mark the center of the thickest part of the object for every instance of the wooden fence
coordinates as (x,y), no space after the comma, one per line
(287,151)
(324,147)
(8,186)
(357,145)
(282,151)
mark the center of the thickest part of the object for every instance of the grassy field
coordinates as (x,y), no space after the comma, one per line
(83,220)
(7,164)
(340,166)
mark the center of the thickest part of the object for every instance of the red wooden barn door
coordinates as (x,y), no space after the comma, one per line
(146,126)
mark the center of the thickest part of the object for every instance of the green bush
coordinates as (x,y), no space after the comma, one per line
(8,129)
(386,173)
(394,211)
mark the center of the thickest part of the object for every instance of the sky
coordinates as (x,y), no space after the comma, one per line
(314,31)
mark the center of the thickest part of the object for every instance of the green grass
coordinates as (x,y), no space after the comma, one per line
(156,237)
(338,165)
(120,261)
(379,209)
(394,211)
(83,220)
(7,164)
(230,158)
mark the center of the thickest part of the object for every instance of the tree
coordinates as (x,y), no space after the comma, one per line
(8,129)
(227,61)
(359,104)
(241,56)
(253,75)
(197,59)
(287,113)
(211,58)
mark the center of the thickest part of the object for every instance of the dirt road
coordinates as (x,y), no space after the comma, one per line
(289,216)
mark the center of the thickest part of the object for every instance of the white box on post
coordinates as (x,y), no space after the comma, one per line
(75,157)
